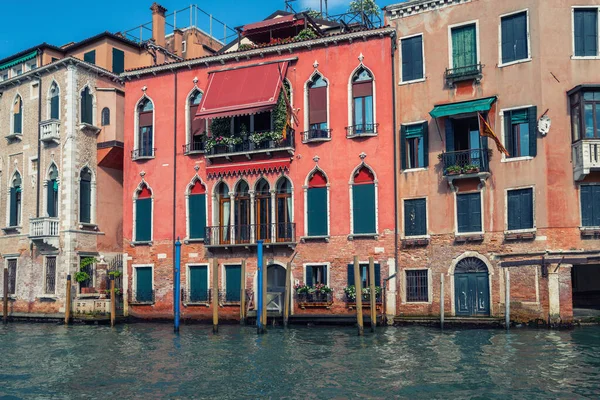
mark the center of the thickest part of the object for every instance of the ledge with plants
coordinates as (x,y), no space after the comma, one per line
(350,292)
(318,295)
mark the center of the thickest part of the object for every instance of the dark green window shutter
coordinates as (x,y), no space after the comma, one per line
(143,220)
(425,144)
(533,128)
(317,211)
(309,276)
(197,210)
(475,212)
(527,209)
(520,209)
(13,207)
(412,58)
(377,275)
(514,210)
(403,146)
(363,202)
(350,274)
(586,32)
(143,284)
(595,201)
(407,62)
(415,217)
(449,128)
(54,114)
(233,282)
(85,201)
(118,61)
(51,194)
(587,205)
(90,57)
(468,209)
(508,133)
(198,285)
(464,46)
(18,121)
(507,39)
(462,211)
(520,36)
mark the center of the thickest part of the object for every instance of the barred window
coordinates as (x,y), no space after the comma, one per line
(417,285)
(50,275)
(12,276)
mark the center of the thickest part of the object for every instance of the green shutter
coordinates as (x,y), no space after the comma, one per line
(520,36)
(363,203)
(587,204)
(520,209)
(586,32)
(90,57)
(198,284)
(54,114)
(350,274)
(197,210)
(527,209)
(13,207)
(143,220)
(449,129)
(50,196)
(533,129)
(85,203)
(415,217)
(233,282)
(426,144)
(143,287)
(508,133)
(468,209)
(508,50)
(317,211)
(514,210)
(417,57)
(595,201)
(118,61)
(309,276)
(403,146)
(18,120)
(464,46)
(475,212)
(377,275)
(407,62)
(462,213)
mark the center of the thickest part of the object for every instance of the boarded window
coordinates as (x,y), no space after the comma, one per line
(468,210)
(143,215)
(514,37)
(12,276)
(590,205)
(520,209)
(118,61)
(363,202)
(417,286)
(520,132)
(586,32)
(412,58)
(197,210)
(415,217)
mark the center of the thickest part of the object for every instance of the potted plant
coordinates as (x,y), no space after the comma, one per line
(471,169)
(82,275)
(453,170)
(350,292)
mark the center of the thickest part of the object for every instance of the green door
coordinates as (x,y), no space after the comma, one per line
(198,284)
(472,294)
(143,289)
(233,282)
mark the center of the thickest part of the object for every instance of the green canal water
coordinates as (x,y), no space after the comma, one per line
(149,361)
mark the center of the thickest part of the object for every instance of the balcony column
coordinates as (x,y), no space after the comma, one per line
(231,217)
(252,194)
(273,221)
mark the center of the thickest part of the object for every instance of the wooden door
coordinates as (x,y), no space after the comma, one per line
(472,295)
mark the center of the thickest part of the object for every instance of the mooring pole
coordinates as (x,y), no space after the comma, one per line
(68,301)
(264,294)
(286,300)
(373,294)
(177,287)
(243,293)
(259,281)
(507,298)
(113,306)
(358,291)
(5,300)
(215,295)
(442,301)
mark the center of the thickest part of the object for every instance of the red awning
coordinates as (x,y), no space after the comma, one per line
(255,167)
(268,23)
(242,91)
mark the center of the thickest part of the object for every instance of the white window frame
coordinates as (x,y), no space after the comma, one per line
(524,60)
(305,190)
(425,151)
(504,134)
(134,268)
(94,103)
(46,188)
(49,100)
(463,234)
(450,27)
(573,56)
(317,264)
(136,123)
(424,78)
(427,236)
(306,107)
(133,228)
(8,203)
(351,98)
(183,46)
(188,125)
(581,227)
(528,230)
(187,280)
(404,286)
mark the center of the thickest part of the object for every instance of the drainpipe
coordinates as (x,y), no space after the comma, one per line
(174,238)
(395,162)
(39,148)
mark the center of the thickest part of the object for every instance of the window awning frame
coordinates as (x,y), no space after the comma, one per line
(463,107)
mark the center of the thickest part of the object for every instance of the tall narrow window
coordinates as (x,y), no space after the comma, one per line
(590,205)
(17,114)
(54,101)
(12,276)
(468,209)
(85,196)
(87,107)
(414,146)
(586,32)
(285,228)
(362,102)
(105,117)
(316,205)
(520,209)
(197,211)
(233,287)
(464,48)
(224,212)
(118,61)
(514,37)
(412,58)
(145,123)
(15,201)
(263,210)
(143,215)
(52,192)
(317,104)
(197,125)
(363,202)
(242,213)
(50,281)
(415,217)
(520,131)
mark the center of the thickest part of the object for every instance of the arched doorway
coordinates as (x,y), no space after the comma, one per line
(471,288)
(275,287)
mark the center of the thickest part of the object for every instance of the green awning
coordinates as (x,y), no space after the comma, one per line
(19,60)
(445,110)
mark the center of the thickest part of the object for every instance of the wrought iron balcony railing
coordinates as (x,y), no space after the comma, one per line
(143,153)
(361,130)
(465,162)
(464,73)
(315,135)
(228,235)
(194,295)
(43,227)
(194,147)
(246,145)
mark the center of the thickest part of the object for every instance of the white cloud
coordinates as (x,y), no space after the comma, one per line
(316,4)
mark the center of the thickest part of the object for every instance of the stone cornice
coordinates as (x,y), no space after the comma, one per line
(407,9)
(260,52)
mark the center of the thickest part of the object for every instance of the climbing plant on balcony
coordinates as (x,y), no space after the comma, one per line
(306,34)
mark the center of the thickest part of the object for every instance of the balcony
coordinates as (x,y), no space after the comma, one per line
(196,147)
(249,144)
(45,230)
(466,73)
(145,153)
(316,135)
(361,130)
(586,158)
(465,164)
(50,131)
(248,235)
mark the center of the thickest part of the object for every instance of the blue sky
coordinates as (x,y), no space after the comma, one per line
(57,22)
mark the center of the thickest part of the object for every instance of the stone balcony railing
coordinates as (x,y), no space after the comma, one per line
(586,157)
(43,227)
(50,130)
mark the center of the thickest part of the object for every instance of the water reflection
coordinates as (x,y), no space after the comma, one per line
(148,360)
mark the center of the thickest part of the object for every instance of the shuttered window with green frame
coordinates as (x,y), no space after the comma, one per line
(464,46)
(143,220)
(363,204)
(414,146)
(514,37)
(316,204)
(198,283)
(90,57)
(233,284)
(586,32)
(197,211)
(590,205)
(412,58)
(520,209)
(143,285)
(520,132)
(315,274)
(415,217)
(364,275)
(468,212)
(118,61)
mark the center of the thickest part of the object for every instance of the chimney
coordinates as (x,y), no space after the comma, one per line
(178,42)
(158,24)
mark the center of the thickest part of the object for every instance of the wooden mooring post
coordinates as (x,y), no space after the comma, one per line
(286,300)
(243,293)
(373,299)
(5,299)
(113,301)
(68,301)
(215,295)
(358,291)
(507,298)
(442,301)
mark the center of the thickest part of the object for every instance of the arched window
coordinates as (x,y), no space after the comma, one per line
(262,211)
(363,202)
(197,210)
(15,200)
(87,106)
(242,213)
(285,228)
(197,125)
(317,205)
(224,212)
(52,192)
(317,106)
(145,132)
(362,102)
(54,101)
(17,114)
(85,196)
(143,214)
(105,117)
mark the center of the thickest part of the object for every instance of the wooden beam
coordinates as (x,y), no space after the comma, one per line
(113,306)
(286,300)
(264,288)
(358,291)
(5,300)
(373,294)
(215,295)
(243,293)
(68,301)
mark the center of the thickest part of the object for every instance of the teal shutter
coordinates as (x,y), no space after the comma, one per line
(54,114)
(233,282)
(317,211)
(350,274)
(403,146)
(586,32)
(197,210)
(462,213)
(407,62)
(527,209)
(475,212)
(144,284)
(412,58)
(425,144)
(533,128)
(449,128)
(363,202)
(514,210)
(118,61)
(520,36)
(85,203)
(198,285)
(309,276)
(143,220)
(508,133)
(18,121)
(507,39)
(520,209)
(377,275)
(90,57)
(587,205)
(13,207)
(595,202)
(50,196)
(464,46)
(468,209)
